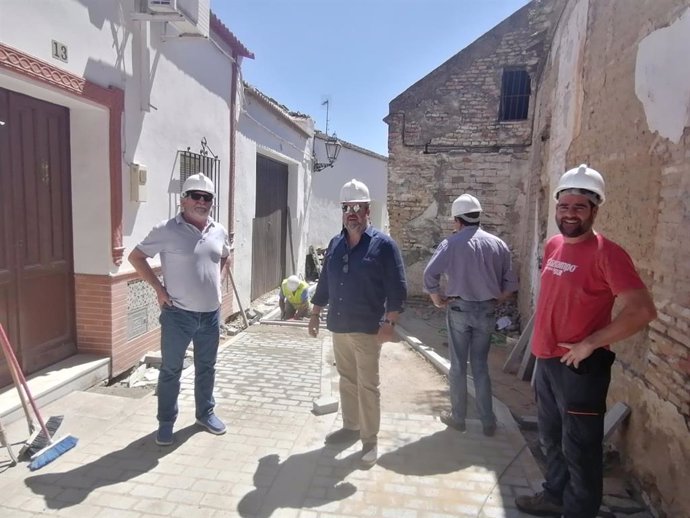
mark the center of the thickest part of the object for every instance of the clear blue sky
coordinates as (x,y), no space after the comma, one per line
(358,54)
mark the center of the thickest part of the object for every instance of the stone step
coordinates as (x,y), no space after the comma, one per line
(78,372)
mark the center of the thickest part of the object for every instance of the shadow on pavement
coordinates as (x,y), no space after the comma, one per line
(138,457)
(287,484)
(435,454)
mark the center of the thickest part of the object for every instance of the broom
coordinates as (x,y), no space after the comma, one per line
(55,448)
(37,439)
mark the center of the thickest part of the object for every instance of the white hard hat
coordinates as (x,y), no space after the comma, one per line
(582,177)
(293,282)
(354,191)
(465,204)
(198,182)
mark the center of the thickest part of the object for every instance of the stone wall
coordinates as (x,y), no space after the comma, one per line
(445,138)
(611,96)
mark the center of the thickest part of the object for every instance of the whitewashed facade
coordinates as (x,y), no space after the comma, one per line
(136,92)
(268,129)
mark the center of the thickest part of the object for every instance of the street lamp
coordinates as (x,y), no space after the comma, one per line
(333,146)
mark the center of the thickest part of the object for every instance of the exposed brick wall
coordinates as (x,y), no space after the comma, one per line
(646,212)
(445,139)
(93,313)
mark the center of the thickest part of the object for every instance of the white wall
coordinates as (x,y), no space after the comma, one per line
(176,92)
(263,130)
(325,216)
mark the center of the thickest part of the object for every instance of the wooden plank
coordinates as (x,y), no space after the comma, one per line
(614,417)
(534,372)
(527,366)
(513,360)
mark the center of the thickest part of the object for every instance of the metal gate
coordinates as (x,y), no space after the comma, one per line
(269,226)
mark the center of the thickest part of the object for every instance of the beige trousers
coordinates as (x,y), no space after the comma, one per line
(357,360)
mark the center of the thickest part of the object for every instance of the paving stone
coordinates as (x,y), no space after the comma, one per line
(272,461)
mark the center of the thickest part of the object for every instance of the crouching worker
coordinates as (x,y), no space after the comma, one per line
(294,298)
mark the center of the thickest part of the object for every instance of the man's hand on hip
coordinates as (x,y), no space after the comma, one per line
(438,300)
(576,353)
(163,297)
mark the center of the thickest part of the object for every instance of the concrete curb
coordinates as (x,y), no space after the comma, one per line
(502,412)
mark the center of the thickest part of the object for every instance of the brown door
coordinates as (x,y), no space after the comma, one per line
(269,226)
(36,270)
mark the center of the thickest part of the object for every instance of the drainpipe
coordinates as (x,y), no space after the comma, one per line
(233,114)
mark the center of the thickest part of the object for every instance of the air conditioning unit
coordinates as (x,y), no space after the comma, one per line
(197,17)
(162,6)
(188,17)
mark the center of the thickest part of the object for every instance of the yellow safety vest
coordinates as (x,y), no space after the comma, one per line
(294,298)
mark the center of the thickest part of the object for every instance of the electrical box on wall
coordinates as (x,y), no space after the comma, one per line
(137,182)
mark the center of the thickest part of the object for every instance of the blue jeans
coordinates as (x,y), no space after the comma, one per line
(470,325)
(178,329)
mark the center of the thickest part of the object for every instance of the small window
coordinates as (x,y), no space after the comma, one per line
(193,163)
(515,92)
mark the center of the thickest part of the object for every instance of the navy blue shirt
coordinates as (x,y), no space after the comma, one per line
(362,283)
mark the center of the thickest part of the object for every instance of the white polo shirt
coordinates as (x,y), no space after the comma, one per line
(190,259)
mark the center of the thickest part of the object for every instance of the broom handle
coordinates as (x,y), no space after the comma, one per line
(22,396)
(11,358)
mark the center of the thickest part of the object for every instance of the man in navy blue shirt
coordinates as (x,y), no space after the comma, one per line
(363,281)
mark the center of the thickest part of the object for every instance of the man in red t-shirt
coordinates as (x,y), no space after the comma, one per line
(583,273)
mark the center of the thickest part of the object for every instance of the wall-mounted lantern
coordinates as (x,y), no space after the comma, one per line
(333,146)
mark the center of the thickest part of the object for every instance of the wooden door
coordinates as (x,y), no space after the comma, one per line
(36,268)
(269,226)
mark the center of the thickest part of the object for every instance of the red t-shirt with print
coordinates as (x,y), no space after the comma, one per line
(579,283)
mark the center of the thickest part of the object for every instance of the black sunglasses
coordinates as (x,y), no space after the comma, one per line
(196,196)
(345,264)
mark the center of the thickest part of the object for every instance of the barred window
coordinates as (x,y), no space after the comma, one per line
(515,92)
(193,163)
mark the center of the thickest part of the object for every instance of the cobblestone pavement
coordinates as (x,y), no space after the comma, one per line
(272,461)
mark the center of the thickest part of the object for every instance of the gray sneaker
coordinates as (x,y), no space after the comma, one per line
(538,505)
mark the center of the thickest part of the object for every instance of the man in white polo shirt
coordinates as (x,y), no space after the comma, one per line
(194,250)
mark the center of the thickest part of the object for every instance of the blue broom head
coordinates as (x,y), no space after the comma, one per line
(52,452)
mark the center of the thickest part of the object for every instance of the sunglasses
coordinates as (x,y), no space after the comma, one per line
(354,208)
(345,263)
(196,196)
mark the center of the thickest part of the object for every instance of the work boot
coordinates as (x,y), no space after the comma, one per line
(538,505)
(447,419)
(343,435)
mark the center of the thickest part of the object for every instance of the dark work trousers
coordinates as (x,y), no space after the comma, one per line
(571,404)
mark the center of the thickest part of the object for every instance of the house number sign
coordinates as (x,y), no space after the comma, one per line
(59,51)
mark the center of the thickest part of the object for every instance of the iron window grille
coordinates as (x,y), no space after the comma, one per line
(515,92)
(203,162)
